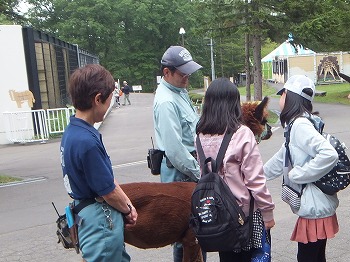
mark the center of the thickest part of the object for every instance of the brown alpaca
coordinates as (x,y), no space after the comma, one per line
(164,208)
(163,217)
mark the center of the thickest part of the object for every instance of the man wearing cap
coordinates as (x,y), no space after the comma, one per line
(126,91)
(175,121)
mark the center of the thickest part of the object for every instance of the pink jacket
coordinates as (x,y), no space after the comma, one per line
(242,169)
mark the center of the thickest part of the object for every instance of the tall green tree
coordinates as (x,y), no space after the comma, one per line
(129,36)
(214,20)
(10,13)
(240,21)
(320,25)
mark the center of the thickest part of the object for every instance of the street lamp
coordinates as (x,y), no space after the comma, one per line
(182,32)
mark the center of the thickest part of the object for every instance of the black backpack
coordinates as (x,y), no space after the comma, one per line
(217,220)
(339,177)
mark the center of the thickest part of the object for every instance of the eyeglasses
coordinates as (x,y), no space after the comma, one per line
(182,74)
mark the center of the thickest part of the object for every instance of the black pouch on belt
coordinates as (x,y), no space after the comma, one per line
(154,160)
(67,236)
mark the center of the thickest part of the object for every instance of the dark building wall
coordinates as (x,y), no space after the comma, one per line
(50,61)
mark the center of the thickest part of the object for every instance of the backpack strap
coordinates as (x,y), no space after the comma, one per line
(320,125)
(288,159)
(222,150)
(215,163)
(200,152)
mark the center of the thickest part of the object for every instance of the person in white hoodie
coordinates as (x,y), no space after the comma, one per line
(311,156)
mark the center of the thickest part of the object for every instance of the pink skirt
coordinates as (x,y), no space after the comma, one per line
(310,230)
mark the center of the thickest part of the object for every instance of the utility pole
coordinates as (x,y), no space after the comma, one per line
(212,60)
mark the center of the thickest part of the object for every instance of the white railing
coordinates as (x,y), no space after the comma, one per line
(26,126)
(58,119)
(35,125)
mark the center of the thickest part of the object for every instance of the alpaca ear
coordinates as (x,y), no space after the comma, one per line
(259,110)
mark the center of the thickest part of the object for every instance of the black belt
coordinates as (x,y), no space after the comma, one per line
(82,204)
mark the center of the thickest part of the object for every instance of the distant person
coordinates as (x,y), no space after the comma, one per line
(87,170)
(175,121)
(242,168)
(116,94)
(126,89)
(310,157)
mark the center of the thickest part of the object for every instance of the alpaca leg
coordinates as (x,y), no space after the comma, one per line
(192,254)
(191,249)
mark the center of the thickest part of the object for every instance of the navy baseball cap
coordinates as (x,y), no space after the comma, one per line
(181,59)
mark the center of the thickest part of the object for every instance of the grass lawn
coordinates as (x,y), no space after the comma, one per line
(8,179)
(336,94)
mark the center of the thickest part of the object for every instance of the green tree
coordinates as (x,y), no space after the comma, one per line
(129,36)
(240,22)
(10,13)
(319,25)
(324,25)
(214,20)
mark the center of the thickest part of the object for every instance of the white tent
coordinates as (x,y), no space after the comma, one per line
(287,49)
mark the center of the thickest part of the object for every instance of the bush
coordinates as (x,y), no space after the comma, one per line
(196,98)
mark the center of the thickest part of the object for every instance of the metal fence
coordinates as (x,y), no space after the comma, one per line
(35,125)
(58,119)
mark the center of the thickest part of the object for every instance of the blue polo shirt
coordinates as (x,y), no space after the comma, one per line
(87,169)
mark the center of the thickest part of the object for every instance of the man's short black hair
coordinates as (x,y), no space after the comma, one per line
(171,68)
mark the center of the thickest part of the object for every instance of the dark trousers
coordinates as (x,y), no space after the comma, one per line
(312,252)
(230,256)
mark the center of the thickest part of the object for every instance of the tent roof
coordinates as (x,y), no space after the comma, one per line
(287,49)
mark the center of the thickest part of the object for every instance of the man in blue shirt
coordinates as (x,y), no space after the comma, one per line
(175,121)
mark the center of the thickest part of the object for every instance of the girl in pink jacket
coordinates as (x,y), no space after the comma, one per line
(242,168)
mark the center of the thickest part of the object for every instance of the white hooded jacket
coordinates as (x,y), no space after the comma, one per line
(312,157)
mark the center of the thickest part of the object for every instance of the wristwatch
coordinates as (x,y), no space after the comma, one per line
(130,209)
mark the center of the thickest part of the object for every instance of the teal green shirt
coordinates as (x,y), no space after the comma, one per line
(175,121)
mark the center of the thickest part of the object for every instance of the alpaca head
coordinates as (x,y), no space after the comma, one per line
(255,115)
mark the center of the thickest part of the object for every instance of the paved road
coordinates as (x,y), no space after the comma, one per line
(27,228)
